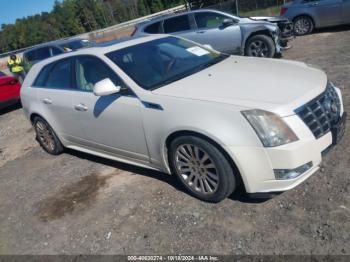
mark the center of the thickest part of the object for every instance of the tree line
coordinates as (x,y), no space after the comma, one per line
(72,17)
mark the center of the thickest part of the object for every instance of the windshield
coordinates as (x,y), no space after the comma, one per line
(160,62)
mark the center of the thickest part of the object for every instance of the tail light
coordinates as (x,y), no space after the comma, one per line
(283,10)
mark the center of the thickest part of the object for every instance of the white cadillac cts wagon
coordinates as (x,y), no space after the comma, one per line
(168,104)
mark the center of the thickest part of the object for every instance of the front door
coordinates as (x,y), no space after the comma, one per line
(113,123)
(346,11)
(211,31)
(328,12)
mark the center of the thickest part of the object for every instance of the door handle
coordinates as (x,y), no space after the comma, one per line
(315,4)
(47,101)
(201,32)
(81,107)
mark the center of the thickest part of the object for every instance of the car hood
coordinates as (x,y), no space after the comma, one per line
(271,19)
(278,86)
(249,21)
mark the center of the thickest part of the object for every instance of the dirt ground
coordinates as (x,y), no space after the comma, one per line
(79,204)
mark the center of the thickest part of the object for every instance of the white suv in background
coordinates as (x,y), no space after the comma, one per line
(169,104)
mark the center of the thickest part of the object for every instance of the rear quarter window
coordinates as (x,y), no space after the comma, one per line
(56,75)
(42,76)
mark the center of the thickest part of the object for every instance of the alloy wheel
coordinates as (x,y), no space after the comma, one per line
(302,26)
(45,136)
(196,169)
(259,49)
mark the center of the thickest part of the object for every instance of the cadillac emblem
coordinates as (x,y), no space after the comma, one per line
(331,106)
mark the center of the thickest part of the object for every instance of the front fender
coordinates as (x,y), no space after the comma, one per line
(222,123)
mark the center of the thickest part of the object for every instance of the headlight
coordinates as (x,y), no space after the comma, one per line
(270,128)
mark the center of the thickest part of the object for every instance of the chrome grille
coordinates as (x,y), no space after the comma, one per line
(321,113)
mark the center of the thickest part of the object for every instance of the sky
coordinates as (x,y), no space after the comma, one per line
(10,10)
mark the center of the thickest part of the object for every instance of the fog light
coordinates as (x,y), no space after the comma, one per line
(283,174)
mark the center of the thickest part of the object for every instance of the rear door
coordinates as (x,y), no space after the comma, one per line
(211,31)
(54,93)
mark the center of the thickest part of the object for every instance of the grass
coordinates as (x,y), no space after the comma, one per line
(270,11)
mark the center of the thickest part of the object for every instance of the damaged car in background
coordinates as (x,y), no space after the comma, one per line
(225,32)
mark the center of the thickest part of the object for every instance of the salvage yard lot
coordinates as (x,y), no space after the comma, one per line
(79,204)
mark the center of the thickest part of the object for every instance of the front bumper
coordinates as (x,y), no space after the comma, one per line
(257,164)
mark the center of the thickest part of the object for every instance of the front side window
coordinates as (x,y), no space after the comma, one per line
(209,19)
(60,75)
(177,24)
(90,70)
(166,60)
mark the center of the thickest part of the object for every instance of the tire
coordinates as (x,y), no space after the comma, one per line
(46,137)
(303,25)
(212,180)
(260,46)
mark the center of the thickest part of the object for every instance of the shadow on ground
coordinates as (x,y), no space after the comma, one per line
(333,29)
(239,195)
(10,109)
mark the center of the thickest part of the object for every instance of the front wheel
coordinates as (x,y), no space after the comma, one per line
(201,168)
(260,46)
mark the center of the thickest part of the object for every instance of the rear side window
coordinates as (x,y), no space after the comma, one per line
(154,28)
(177,24)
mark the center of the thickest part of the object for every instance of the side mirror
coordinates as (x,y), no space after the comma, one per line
(106,87)
(228,22)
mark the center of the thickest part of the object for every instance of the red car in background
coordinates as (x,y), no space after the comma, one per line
(9,90)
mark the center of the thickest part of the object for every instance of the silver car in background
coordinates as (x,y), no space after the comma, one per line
(224,32)
(310,14)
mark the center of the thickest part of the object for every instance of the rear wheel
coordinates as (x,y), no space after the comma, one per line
(47,137)
(201,168)
(260,46)
(303,25)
